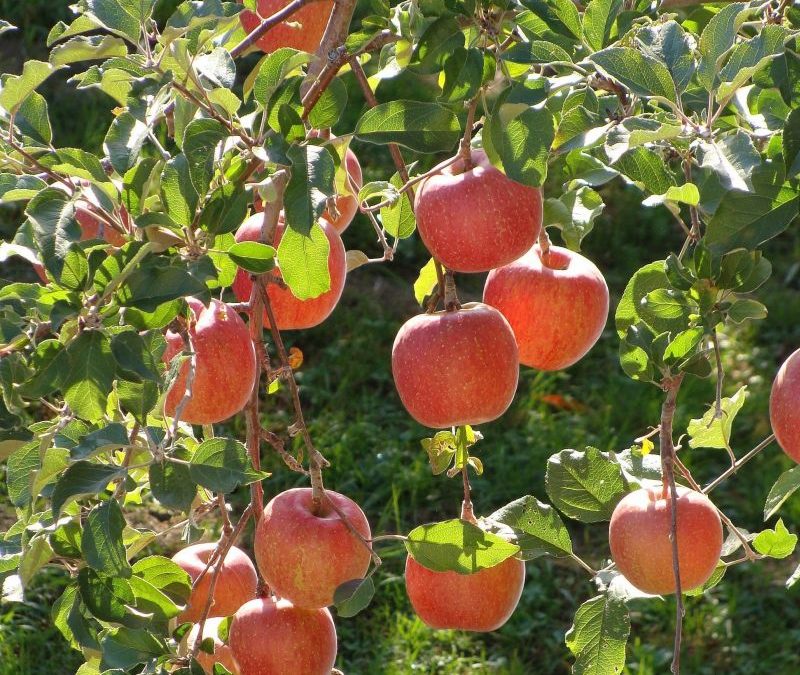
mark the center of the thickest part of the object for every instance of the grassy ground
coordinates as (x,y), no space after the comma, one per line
(742,627)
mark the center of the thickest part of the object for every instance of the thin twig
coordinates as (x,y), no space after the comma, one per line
(739,462)
(672,386)
(266,25)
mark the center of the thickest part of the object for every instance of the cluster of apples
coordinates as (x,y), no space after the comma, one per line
(303,555)
(540,309)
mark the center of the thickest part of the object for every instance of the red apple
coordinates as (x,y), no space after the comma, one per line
(277,638)
(480,602)
(347,204)
(236,582)
(305,556)
(557,307)
(290,312)
(639,535)
(784,406)
(94,228)
(476,220)
(457,367)
(222,652)
(303,30)
(225,371)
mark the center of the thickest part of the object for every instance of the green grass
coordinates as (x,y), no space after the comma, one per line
(745,626)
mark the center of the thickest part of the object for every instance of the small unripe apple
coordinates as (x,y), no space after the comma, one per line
(303,30)
(225,369)
(479,602)
(222,652)
(236,582)
(290,312)
(557,305)
(303,555)
(277,638)
(784,406)
(347,203)
(456,367)
(476,220)
(641,547)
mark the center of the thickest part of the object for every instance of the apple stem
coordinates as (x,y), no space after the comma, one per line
(451,302)
(467,512)
(671,386)
(544,246)
(465,149)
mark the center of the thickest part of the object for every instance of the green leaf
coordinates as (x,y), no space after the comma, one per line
(457,546)
(177,191)
(560,15)
(54,227)
(21,469)
(635,132)
(35,555)
(748,219)
(463,74)
(598,636)
(716,39)
(303,261)
(778,543)
(122,17)
(16,88)
(791,143)
(537,527)
(683,344)
(673,46)
(102,539)
(733,158)
(748,57)
(152,285)
(574,214)
(786,485)
(353,596)
(646,169)
(87,49)
(685,194)
(165,575)
(200,140)
(519,142)
(68,617)
(124,141)
(398,220)
(586,485)
(275,69)
(712,431)
(90,375)
(80,479)
(139,355)
(745,309)
(424,127)
(310,185)
(225,210)
(172,484)
(598,21)
(222,464)
(426,281)
(253,256)
(152,602)
(331,104)
(107,598)
(665,310)
(642,74)
(33,120)
(125,647)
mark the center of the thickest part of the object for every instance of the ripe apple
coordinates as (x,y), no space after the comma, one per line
(639,535)
(290,312)
(222,652)
(784,406)
(303,30)
(225,371)
(556,306)
(456,367)
(277,638)
(236,582)
(94,228)
(305,556)
(480,602)
(476,220)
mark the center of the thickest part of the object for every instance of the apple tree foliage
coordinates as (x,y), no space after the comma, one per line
(699,108)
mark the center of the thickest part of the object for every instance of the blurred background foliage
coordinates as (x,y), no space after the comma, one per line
(747,625)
